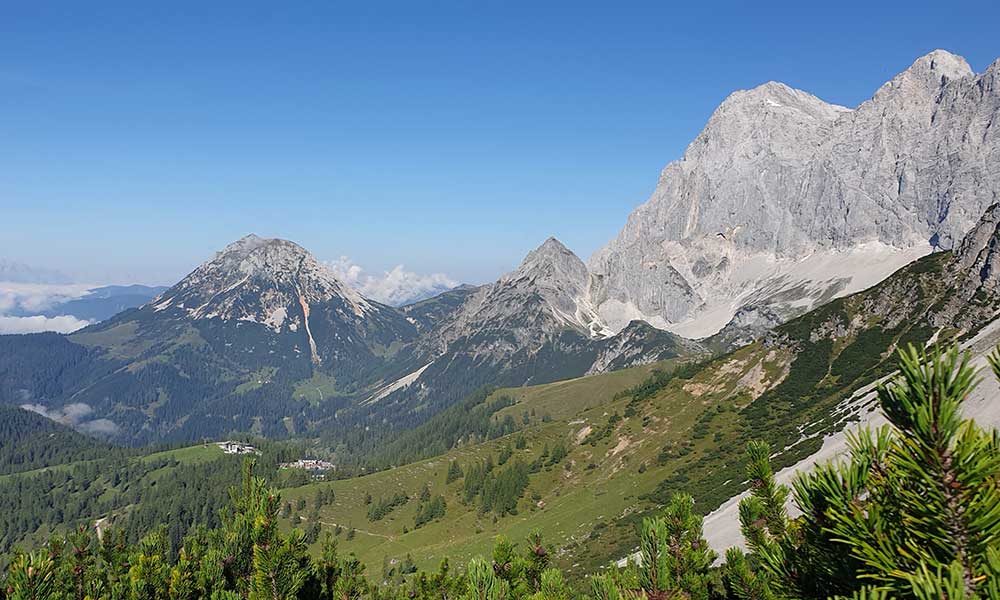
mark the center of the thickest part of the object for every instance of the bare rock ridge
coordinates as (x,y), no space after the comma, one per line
(784,200)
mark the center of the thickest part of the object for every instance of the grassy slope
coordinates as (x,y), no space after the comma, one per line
(689,436)
(572,502)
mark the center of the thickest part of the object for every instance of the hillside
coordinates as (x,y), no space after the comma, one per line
(130,491)
(590,460)
(30,441)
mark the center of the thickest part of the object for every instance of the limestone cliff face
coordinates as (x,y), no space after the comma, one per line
(784,200)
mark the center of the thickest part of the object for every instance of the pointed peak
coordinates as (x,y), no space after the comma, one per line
(251,242)
(232,284)
(992,71)
(551,250)
(244,244)
(769,89)
(553,244)
(552,266)
(774,87)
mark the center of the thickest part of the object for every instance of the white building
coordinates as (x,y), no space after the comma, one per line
(230,447)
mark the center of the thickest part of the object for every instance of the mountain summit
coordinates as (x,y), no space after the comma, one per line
(273,282)
(785,201)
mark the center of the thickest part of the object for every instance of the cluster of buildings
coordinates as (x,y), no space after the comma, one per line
(230,447)
(313,465)
(309,464)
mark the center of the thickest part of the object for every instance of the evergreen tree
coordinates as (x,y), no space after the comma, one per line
(913,513)
(454,472)
(675,557)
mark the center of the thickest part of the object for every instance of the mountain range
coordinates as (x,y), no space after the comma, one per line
(782,204)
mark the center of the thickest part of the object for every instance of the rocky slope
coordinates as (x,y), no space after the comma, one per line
(533,325)
(785,201)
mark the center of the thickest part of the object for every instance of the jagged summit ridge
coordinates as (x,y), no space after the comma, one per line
(784,200)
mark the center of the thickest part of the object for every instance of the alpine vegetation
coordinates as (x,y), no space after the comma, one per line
(911,513)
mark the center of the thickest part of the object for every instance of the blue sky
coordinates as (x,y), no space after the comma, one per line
(136,139)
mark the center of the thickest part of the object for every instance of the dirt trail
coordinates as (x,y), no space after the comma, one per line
(349,527)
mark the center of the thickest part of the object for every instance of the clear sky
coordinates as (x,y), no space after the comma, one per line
(136,138)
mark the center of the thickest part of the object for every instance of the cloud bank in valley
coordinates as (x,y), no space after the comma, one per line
(76,415)
(20,301)
(395,287)
(38,324)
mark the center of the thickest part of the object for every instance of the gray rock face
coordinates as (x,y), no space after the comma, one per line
(976,274)
(526,308)
(979,252)
(533,325)
(779,178)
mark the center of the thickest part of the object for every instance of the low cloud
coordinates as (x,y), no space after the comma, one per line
(38,323)
(75,415)
(395,287)
(99,427)
(24,299)
(20,304)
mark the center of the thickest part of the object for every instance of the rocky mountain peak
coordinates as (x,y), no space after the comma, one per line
(777,98)
(784,200)
(770,121)
(554,260)
(561,280)
(923,79)
(550,247)
(262,280)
